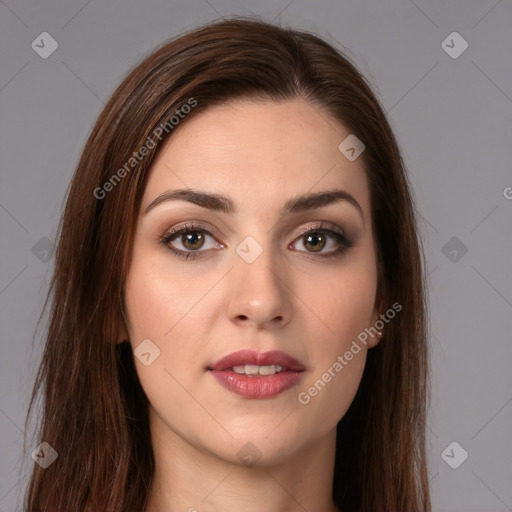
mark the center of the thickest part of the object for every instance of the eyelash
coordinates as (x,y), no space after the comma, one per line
(165,240)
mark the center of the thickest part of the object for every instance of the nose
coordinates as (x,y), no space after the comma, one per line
(260,293)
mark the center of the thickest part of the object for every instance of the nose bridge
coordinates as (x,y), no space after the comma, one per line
(259,292)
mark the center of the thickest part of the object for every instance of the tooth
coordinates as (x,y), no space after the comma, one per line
(251,369)
(267,370)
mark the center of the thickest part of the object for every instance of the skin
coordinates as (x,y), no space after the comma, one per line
(260,154)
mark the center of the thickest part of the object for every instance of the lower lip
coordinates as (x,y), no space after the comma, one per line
(262,386)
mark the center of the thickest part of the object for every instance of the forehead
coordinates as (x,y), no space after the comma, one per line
(259,150)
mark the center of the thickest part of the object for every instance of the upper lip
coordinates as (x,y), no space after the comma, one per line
(243,357)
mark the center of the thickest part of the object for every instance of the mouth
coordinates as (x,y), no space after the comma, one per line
(253,375)
(253,370)
(271,362)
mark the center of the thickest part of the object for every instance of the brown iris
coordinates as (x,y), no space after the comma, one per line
(313,240)
(193,241)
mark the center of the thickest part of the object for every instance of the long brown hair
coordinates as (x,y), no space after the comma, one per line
(95,412)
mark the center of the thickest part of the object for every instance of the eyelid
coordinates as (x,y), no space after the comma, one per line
(204,226)
(197,225)
(322,225)
(338,235)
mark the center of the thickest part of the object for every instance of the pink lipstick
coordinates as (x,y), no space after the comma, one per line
(253,375)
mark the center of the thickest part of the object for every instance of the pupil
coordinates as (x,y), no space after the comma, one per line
(317,246)
(192,239)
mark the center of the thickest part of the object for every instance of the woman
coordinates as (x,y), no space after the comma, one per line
(238,312)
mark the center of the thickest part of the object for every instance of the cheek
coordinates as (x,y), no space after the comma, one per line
(164,307)
(338,363)
(340,304)
(157,299)
(159,309)
(328,394)
(344,302)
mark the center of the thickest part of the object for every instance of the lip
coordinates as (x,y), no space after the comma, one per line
(246,356)
(261,386)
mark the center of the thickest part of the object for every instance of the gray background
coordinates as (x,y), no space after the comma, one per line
(452,117)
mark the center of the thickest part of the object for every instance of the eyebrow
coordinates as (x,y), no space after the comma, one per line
(220,203)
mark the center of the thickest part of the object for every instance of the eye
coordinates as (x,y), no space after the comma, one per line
(191,237)
(317,238)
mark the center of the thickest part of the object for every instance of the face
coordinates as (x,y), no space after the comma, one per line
(256,276)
